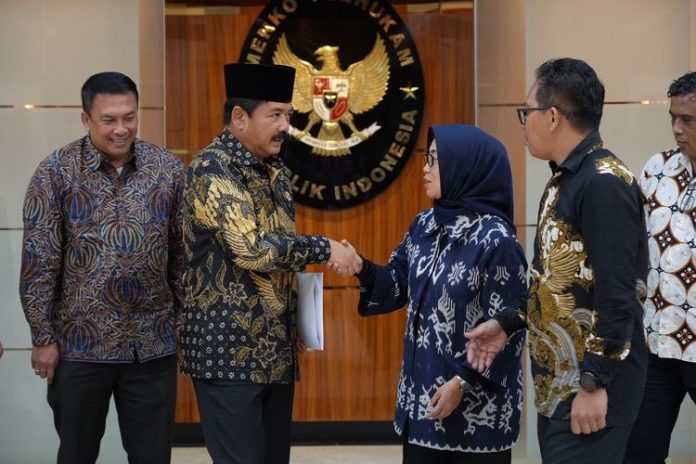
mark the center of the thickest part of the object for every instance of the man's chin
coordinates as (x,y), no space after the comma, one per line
(119,153)
(275,149)
(686,150)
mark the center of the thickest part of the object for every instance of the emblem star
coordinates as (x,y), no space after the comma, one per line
(409,92)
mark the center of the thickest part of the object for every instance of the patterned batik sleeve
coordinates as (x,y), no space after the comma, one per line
(175,267)
(384,289)
(223,205)
(41,252)
(613,228)
(503,289)
(648,186)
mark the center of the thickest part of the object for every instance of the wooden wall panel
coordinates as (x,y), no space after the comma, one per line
(197,47)
(354,379)
(186,407)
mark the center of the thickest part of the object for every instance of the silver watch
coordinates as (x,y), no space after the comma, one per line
(464,386)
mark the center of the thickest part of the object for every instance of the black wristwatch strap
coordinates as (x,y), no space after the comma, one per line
(590,381)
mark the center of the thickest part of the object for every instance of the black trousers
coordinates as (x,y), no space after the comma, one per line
(559,445)
(145,397)
(414,454)
(245,423)
(668,382)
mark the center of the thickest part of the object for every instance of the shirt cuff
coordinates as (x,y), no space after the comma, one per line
(42,337)
(321,248)
(368,272)
(510,320)
(603,367)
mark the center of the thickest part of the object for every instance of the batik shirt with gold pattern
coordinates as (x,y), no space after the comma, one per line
(668,187)
(583,312)
(102,254)
(241,252)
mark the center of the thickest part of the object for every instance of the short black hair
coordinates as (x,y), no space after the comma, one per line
(685,85)
(247,104)
(572,86)
(112,83)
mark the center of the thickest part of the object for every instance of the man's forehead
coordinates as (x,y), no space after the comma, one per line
(278,105)
(269,108)
(689,99)
(531,94)
(114,96)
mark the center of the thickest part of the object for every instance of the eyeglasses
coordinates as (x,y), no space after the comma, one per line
(523,113)
(430,159)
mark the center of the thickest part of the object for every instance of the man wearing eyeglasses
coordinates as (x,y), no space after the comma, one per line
(585,335)
(669,192)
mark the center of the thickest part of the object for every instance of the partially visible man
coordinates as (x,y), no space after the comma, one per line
(238,338)
(100,278)
(585,338)
(669,192)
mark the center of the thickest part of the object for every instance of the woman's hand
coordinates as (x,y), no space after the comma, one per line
(445,400)
(485,342)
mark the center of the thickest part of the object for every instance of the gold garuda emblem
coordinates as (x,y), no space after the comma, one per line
(332,96)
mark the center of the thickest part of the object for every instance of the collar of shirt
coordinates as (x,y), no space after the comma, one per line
(93,158)
(454,230)
(241,156)
(430,225)
(685,162)
(579,153)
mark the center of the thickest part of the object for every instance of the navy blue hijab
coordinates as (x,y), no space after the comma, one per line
(475,174)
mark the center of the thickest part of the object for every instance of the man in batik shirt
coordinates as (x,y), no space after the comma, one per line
(590,260)
(238,338)
(100,279)
(669,191)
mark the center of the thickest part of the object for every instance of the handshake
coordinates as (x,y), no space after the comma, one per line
(344,259)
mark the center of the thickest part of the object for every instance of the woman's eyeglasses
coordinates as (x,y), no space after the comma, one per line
(430,159)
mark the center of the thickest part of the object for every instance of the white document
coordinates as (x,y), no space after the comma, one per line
(310,309)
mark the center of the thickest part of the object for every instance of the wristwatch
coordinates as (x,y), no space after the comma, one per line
(464,386)
(590,382)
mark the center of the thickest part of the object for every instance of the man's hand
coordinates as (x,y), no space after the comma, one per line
(44,360)
(445,399)
(2,350)
(486,340)
(300,344)
(344,260)
(589,411)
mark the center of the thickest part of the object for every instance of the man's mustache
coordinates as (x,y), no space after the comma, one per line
(280,137)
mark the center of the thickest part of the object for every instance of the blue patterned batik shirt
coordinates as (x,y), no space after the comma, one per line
(451,278)
(102,253)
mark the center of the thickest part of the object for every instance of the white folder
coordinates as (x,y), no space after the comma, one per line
(310,309)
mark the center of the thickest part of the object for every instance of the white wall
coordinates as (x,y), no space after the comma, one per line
(47,50)
(637,48)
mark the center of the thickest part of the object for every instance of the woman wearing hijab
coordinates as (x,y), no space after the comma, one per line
(458,265)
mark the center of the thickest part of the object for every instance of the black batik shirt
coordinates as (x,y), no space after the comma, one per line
(590,264)
(241,253)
